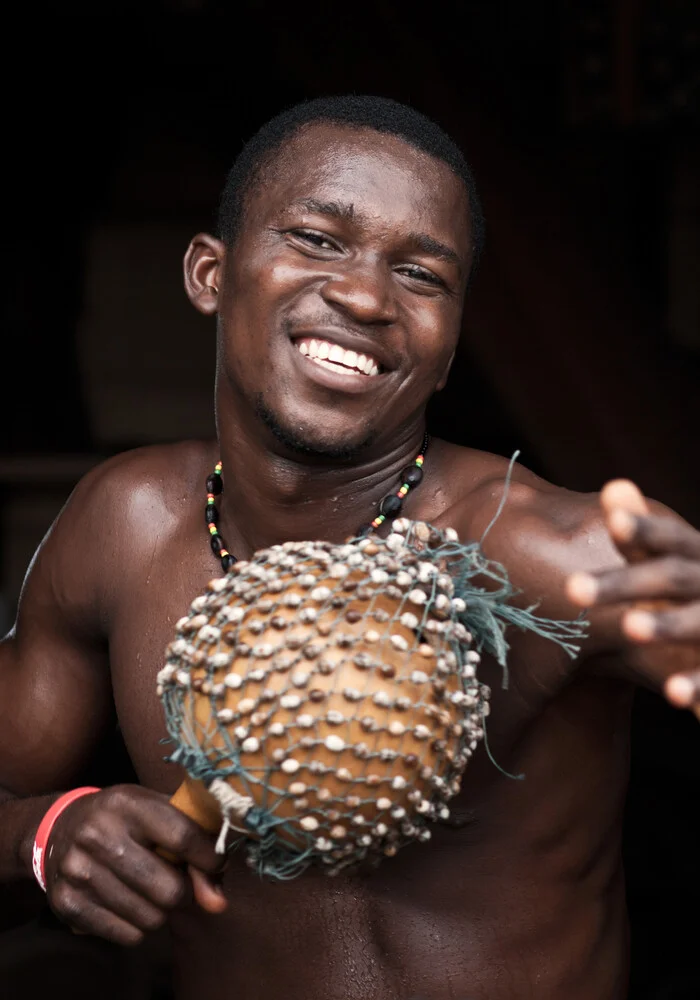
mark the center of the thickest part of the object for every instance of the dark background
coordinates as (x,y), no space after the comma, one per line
(581,341)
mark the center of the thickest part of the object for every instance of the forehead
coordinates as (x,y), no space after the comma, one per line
(383,177)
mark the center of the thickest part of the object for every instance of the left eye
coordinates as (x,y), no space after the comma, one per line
(420,274)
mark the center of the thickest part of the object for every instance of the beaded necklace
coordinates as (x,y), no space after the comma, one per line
(389,507)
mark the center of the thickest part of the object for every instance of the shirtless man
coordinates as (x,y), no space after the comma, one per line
(354,223)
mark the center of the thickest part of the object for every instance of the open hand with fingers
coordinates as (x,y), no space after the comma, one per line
(659,589)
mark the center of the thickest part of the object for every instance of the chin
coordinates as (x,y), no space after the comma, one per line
(338,446)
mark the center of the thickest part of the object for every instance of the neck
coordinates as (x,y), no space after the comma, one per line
(271,497)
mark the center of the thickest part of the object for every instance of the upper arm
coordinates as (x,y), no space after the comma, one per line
(55,691)
(543,535)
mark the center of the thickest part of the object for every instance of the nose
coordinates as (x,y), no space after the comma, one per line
(363,292)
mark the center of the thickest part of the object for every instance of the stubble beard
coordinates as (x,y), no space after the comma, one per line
(301,443)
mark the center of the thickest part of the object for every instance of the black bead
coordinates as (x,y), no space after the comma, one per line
(227,562)
(412,475)
(217,544)
(215,483)
(364,530)
(390,505)
(211,514)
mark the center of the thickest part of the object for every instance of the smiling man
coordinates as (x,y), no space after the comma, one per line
(349,228)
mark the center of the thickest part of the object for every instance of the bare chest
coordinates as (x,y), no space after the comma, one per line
(151,600)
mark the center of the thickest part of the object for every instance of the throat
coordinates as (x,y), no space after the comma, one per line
(328,517)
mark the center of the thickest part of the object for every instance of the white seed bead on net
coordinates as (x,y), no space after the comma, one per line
(232,614)
(290,701)
(417,597)
(399,642)
(218,660)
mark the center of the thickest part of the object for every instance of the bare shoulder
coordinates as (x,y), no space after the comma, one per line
(538,531)
(142,486)
(115,516)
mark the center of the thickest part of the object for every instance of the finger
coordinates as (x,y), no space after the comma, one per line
(658,535)
(672,577)
(183,839)
(107,891)
(141,870)
(86,917)
(670,625)
(208,894)
(622,502)
(153,822)
(683,691)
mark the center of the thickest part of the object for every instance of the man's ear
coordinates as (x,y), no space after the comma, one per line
(443,378)
(202,271)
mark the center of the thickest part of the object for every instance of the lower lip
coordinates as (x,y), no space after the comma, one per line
(342,381)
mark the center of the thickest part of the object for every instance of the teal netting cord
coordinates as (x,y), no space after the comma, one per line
(486,607)
(488,612)
(487,748)
(504,497)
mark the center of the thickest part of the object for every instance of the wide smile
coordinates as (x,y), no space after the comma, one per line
(336,367)
(336,358)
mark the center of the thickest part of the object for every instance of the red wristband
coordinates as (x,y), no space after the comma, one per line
(46,826)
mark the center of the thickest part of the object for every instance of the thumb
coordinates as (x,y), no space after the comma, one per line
(208,893)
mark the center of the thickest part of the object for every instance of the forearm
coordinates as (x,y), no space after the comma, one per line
(19,821)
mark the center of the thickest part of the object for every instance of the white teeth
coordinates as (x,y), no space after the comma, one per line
(334,357)
(336,353)
(331,365)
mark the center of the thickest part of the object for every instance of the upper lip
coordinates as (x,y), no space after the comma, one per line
(349,342)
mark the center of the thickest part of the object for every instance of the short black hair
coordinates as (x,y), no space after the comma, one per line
(356,111)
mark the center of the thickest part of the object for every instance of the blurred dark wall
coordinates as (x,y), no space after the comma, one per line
(581,343)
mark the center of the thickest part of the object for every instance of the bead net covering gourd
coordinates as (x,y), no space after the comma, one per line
(327,695)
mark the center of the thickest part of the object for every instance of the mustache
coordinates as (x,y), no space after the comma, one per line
(322,320)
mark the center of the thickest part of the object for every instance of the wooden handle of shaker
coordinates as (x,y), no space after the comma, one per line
(193,799)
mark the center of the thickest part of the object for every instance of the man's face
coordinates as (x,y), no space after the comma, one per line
(340,303)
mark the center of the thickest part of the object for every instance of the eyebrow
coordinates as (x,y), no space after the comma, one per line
(346,212)
(336,209)
(429,245)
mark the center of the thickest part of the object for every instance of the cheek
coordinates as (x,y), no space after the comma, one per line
(435,332)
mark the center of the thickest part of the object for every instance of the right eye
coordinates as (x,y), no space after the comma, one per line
(313,238)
